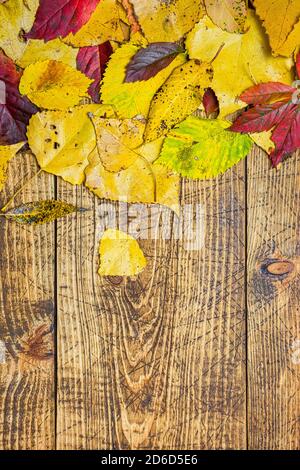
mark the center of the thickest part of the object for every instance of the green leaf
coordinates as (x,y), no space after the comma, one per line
(203,148)
(40,212)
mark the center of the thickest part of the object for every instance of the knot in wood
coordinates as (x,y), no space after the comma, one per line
(277,269)
(115,280)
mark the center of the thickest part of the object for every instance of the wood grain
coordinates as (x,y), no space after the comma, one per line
(157,361)
(273,303)
(26,321)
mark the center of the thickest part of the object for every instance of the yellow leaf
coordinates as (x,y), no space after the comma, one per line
(292,42)
(151,150)
(54,85)
(116,141)
(138,39)
(63,140)
(141,182)
(40,212)
(279,18)
(179,96)
(163,20)
(16,17)
(131,99)
(120,255)
(37,51)
(108,22)
(7,152)
(228,14)
(263,140)
(244,60)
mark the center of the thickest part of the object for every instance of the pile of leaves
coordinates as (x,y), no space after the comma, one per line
(128,96)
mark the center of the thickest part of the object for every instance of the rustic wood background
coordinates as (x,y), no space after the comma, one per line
(201,351)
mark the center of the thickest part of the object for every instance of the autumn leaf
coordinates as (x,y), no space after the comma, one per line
(262,117)
(142,182)
(92,62)
(265,93)
(7,152)
(281,20)
(58,18)
(179,96)
(203,148)
(40,212)
(150,60)
(116,141)
(54,85)
(211,103)
(131,99)
(167,21)
(244,59)
(108,22)
(120,255)
(263,140)
(273,107)
(16,17)
(229,15)
(15,109)
(63,140)
(38,51)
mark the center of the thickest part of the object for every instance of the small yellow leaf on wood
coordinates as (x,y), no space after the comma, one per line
(116,141)
(120,255)
(40,212)
(54,85)
(108,22)
(163,20)
(63,140)
(131,99)
(244,60)
(179,97)
(7,152)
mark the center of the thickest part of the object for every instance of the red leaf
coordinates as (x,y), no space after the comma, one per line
(261,117)
(58,18)
(150,60)
(286,136)
(298,64)
(15,109)
(264,93)
(211,103)
(92,62)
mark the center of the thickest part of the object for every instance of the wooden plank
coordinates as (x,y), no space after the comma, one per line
(26,320)
(157,361)
(273,303)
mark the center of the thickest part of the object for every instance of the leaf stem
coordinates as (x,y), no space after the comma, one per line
(217,53)
(20,189)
